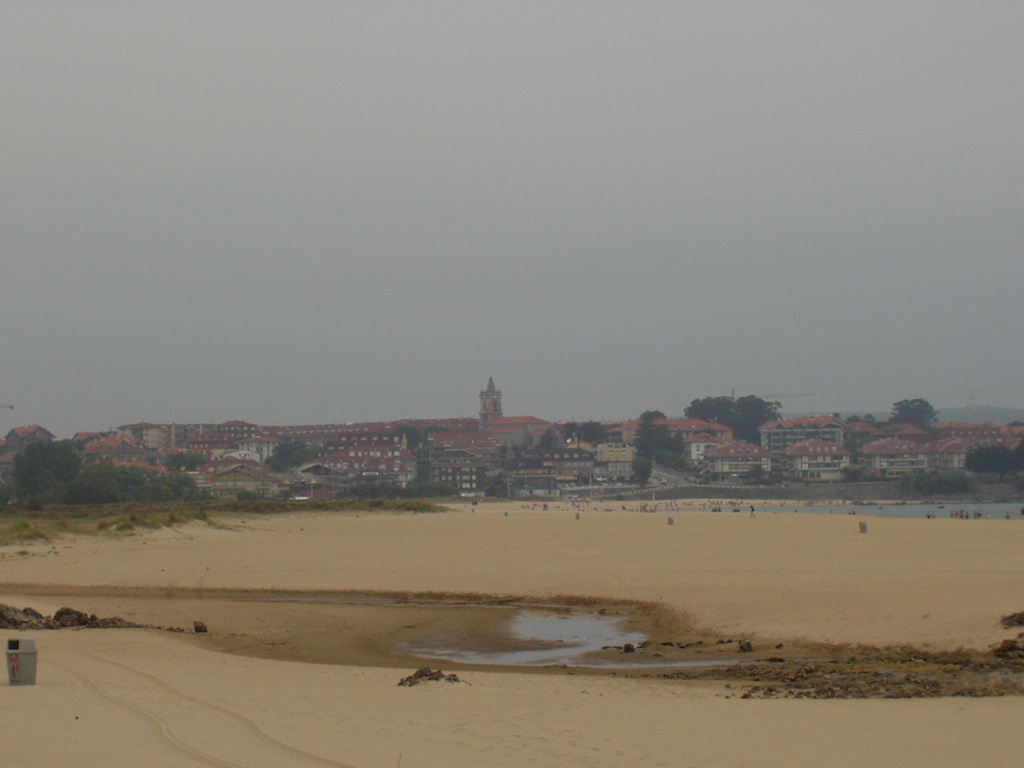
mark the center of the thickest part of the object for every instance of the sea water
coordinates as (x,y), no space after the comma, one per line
(947,509)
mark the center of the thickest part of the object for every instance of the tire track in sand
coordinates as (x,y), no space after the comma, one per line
(140,693)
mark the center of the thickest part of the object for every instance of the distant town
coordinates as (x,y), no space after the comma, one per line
(718,440)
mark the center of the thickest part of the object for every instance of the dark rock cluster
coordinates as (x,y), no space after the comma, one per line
(830,681)
(427,674)
(1011,648)
(873,673)
(29,618)
(1013,620)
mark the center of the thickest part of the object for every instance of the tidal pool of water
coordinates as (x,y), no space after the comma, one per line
(539,640)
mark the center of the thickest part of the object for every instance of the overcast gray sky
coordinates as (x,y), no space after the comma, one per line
(335,211)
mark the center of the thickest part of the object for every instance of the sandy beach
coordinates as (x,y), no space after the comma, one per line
(301,680)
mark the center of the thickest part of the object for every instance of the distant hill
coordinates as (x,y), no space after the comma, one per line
(979,414)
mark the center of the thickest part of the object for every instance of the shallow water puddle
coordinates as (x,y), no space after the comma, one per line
(541,640)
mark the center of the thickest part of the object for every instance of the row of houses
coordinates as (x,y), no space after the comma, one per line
(470,454)
(779,435)
(819,460)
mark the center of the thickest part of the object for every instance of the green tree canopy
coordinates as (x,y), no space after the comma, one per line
(652,436)
(592,432)
(414,436)
(44,469)
(717,409)
(744,415)
(104,482)
(642,469)
(291,454)
(937,481)
(190,462)
(751,413)
(993,459)
(917,411)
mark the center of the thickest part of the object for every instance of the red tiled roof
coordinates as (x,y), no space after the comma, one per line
(903,430)
(30,430)
(959,429)
(862,428)
(505,421)
(115,443)
(505,429)
(222,466)
(704,437)
(964,444)
(459,439)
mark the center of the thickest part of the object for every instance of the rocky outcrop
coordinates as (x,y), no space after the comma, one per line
(65,618)
(1013,620)
(427,674)
(1011,648)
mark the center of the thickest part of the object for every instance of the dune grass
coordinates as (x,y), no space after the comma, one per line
(22,531)
(19,525)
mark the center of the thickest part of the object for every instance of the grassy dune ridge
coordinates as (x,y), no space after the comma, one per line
(21,524)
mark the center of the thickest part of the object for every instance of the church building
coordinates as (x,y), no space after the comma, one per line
(490,403)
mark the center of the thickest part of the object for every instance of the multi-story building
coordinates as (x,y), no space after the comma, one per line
(238,430)
(695,447)
(614,460)
(777,436)
(684,429)
(570,465)
(894,456)
(153,436)
(462,470)
(365,464)
(343,435)
(262,445)
(737,459)
(211,445)
(817,460)
(463,459)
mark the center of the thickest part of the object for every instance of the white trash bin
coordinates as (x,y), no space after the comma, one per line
(21,661)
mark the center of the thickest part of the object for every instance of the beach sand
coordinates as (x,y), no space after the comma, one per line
(143,696)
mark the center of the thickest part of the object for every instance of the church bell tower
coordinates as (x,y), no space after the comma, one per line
(490,403)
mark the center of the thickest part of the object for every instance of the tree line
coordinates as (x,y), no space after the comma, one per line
(54,473)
